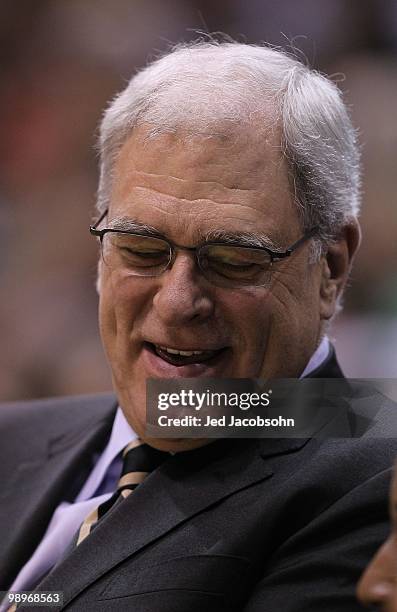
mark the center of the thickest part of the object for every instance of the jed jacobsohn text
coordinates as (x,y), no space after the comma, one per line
(193,399)
(232,421)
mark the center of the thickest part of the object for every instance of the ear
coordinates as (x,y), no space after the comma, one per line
(335,267)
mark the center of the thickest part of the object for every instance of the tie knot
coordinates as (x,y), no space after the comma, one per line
(139,459)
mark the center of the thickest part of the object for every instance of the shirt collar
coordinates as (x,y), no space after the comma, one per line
(120,436)
(318,357)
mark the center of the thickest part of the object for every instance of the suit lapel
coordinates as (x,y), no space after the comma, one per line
(182,487)
(38,484)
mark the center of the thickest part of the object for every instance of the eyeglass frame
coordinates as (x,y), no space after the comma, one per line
(274,255)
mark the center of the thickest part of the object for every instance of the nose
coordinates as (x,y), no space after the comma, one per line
(377,585)
(183,295)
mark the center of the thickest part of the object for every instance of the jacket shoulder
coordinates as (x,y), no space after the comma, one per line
(56,413)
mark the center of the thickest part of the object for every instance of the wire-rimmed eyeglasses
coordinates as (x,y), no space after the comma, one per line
(225,264)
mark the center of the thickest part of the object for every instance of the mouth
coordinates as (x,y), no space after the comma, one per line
(165,361)
(178,357)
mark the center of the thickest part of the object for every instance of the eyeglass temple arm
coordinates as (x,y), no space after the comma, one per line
(297,244)
(93,228)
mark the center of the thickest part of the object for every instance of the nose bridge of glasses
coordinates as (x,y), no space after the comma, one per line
(175,248)
(185,269)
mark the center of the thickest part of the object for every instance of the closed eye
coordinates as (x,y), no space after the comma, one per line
(143,253)
(239,266)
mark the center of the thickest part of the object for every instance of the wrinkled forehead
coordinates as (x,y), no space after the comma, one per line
(244,157)
(184,184)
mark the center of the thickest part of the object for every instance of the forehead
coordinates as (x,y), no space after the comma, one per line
(236,180)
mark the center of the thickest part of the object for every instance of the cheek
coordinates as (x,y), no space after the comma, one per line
(290,323)
(249,314)
(295,296)
(119,306)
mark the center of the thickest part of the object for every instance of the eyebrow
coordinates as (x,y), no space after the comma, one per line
(125,224)
(250,239)
(241,238)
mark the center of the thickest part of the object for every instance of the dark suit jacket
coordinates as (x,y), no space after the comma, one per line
(270,525)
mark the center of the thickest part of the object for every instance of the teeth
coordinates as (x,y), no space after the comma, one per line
(183,353)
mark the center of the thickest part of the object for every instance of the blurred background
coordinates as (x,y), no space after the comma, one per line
(61,62)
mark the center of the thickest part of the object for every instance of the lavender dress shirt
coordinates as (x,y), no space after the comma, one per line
(99,486)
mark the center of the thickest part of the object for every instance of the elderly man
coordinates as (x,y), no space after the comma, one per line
(228,205)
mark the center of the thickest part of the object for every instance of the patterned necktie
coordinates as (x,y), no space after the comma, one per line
(139,460)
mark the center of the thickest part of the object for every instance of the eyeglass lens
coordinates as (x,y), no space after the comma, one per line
(224,265)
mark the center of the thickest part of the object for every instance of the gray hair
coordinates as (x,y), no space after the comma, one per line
(201,86)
